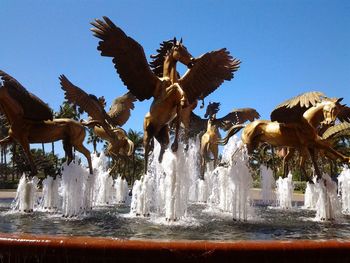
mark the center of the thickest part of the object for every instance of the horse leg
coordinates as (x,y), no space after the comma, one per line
(81,148)
(215,150)
(325,146)
(67,147)
(163,138)
(26,148)
(175,144)
(314,162)
(285,165)
(302,159)
(204,154)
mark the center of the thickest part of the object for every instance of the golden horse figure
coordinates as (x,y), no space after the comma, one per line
(209,139)
(170,93)
(292,110)
(299,132)
(106,125)
(31,121)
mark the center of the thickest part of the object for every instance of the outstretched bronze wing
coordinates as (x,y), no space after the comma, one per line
(344,114)
(341,129)
(208,73)
(237,116)
(87,102)
(197,125)
(292,110)
(128,57)
(33,108)
(120,109)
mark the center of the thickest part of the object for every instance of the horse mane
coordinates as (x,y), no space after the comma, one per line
(158,59)
(212,108)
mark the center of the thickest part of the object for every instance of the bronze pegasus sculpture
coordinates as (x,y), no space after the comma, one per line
(106,125)
(211,127)
(170,93)
(294,124)
(31,121)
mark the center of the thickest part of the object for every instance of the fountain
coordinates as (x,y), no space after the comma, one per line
(163,196)
(284,191)
(267,185)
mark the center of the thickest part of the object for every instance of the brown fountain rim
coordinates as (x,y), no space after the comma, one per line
(98,249)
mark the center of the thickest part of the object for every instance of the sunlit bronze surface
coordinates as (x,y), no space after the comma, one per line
(209,145)
(296,128)
(169,92)
(31,121)
(106,125)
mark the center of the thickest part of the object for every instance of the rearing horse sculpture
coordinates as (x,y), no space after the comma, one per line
(300,132)
(170,94)
(31,121)
(293,111)
(212,135)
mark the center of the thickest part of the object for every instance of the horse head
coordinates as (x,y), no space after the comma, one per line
(331,109)
(212,109)
(121,145)
(179,53)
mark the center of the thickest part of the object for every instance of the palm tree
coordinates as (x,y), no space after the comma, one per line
(137,138)
(68,111)
(94,139)
(3,133)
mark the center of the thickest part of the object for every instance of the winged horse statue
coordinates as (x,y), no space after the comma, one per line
(170,93)
(294,125)
(31,121)
(212,135)
(106,125)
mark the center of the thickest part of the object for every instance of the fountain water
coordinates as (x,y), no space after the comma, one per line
(328,206)
(102,182)
(26,194)
(268,185)
(121,190)
(284,191)
(164,190)
(230,184)
(344,190)
(311,195)
(50,200)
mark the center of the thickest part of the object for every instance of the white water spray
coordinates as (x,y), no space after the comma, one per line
(344,190)
(284,192)
(50,201)
(230,185)
(268,185)
(328,206)
(26,194)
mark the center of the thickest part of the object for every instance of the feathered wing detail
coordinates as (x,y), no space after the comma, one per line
(237,116)
(33,107)
(197,125)
(344,114)
(208,73)
(341,129)
(120,109)
(88,103)
(292,110)
(128,57)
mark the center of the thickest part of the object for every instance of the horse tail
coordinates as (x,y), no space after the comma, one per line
(232,131)
(90,124)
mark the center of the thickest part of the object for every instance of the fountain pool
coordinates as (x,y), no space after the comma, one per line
(270,223)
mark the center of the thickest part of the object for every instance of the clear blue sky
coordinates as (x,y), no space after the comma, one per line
(286,47)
